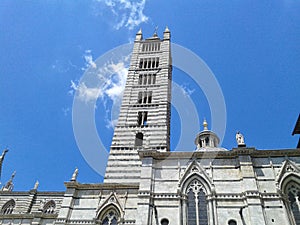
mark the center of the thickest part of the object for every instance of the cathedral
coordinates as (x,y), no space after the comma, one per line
(147,184)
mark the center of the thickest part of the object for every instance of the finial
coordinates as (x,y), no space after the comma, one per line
(36,185)
(140,31)
(75,174)
(9,186)
(155,31)
(167,29)
(13,175)
(205,124)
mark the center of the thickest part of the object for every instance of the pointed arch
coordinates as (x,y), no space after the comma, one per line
(110,212)
(195,170)
(8,207)
(110,215)
(197,191)
(49,207)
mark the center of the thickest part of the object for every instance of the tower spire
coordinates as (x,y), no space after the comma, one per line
(139,35)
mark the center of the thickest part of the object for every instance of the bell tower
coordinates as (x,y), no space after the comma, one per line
(144,120)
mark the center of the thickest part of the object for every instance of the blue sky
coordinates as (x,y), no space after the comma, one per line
(252,47)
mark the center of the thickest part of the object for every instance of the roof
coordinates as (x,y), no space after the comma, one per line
(297,126)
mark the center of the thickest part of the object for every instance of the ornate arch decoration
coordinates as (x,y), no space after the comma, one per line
(195,171)
(49,207)
(111,208)
(8,207)
(288,184)
(288,172)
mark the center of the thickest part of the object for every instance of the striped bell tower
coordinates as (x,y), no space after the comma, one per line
(144,120)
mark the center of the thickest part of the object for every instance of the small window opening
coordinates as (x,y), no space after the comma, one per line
(139,139)
(232,222)
(164,221)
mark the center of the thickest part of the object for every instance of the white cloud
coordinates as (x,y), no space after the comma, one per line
(110,85)
(85,93)
(89,59)
(128,13)
(186,91)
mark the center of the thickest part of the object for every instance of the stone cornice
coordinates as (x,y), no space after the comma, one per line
(219,154)
(28,216)
(26,193)
(100,186)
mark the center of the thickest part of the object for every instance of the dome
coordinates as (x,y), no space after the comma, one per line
(207,140)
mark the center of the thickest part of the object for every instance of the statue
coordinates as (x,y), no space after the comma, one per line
(75,174)
(240,139)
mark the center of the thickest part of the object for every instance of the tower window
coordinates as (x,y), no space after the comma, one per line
(145,79)
(145,97)
(139,139)
(140,97)
(142,118)
(149,63)
(151,47)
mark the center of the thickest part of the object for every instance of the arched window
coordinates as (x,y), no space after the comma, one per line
(196,204)
(49,207)
(110,218)
(8,207)
(232,222)
(293,193)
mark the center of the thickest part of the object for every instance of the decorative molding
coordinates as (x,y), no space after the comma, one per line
(111,200)
(194,169)
(235,152)
(288,169)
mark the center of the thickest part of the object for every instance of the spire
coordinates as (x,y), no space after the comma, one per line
(36,185)
(2,159)
(205,124)
(139,35)
(167,34)
(9,186)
